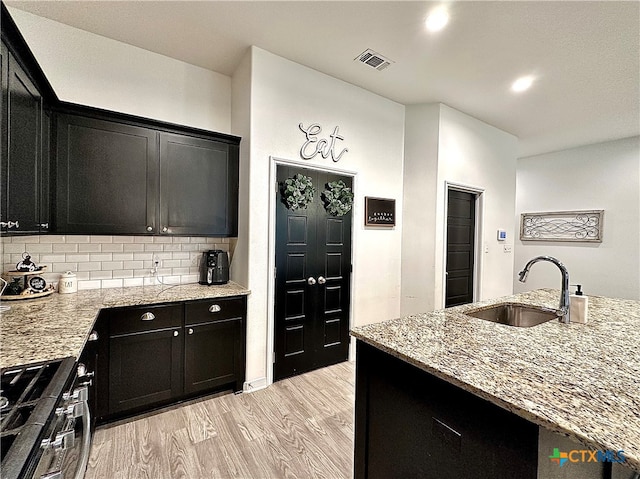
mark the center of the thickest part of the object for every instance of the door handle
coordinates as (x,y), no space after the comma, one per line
(311,281)
(321,280)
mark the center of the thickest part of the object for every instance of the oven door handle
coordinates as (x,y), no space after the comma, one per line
(86,443)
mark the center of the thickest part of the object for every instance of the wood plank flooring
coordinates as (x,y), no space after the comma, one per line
(300,427)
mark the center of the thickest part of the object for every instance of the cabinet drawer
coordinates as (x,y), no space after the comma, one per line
(214,309)
(145,318)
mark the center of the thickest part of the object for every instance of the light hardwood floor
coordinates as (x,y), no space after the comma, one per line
(300,427)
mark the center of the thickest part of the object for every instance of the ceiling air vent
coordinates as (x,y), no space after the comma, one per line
(373,59)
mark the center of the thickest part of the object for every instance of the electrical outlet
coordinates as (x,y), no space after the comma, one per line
(507,248)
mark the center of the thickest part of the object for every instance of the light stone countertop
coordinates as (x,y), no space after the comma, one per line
(580,380)
(58,325)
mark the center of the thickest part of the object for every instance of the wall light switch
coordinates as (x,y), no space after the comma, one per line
(507,248)
(502,235)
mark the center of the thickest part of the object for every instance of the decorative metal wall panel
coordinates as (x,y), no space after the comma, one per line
(585,226)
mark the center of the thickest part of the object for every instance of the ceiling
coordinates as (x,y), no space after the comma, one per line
(585,56)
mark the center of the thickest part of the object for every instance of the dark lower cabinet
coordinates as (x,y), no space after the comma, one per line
(214,344)
(410,424)
(151,356)
(144,369)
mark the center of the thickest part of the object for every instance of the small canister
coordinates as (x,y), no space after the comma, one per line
(67,283)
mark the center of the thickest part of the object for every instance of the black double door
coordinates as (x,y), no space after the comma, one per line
(313,273)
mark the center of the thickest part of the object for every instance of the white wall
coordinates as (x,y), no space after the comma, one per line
(445,145)
(601,176)
(93,70)
(284,94)
(422,125)
(476,154)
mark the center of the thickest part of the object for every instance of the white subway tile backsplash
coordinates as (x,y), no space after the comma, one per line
(143,239)
(89,248)
(101,261)
(123,239)
(65,248)
(78,257)
(113,248)
(39,248)
(96,284)
(101,274)
(112,283)
(89,266)
(111,265)
(100,239)
(133,247)
(132,282)
(101,257)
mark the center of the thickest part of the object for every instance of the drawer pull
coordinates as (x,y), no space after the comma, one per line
(148,317)
(190,330)
(215,308)
(176,333)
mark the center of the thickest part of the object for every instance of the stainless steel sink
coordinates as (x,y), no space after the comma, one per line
(513,314)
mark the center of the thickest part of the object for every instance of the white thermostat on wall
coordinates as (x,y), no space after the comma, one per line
(502,235)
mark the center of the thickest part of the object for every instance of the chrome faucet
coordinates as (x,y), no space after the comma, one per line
(563,313)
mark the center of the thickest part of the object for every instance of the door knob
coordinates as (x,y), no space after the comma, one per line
(190,331)
(165,229)
(321,280)
(149,228)
(311,281)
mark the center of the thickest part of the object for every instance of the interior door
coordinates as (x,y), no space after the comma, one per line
(313,276)
(461,220)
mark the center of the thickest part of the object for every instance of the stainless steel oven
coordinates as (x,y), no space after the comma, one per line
(45,420)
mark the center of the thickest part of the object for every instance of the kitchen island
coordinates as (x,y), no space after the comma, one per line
(58,326)
(581,381)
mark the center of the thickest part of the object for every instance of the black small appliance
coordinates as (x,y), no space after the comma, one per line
(214,267)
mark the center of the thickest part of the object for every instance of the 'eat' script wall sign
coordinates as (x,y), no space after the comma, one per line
(314,145)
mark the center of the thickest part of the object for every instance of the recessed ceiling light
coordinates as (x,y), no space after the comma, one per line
(522,84)
(437,20)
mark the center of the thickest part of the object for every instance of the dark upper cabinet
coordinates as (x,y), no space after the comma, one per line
(24,166)
(106,177)
(114,177)
(198,186)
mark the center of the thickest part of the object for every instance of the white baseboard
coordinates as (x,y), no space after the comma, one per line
(254,385)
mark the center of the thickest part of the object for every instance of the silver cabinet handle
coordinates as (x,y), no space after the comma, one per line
(43,225)
(190,330)
(165,229)
(148,317)
(311,281)
(215,308)
(176,333)
(149,228)
(93,336)
(9,224)
(321,280)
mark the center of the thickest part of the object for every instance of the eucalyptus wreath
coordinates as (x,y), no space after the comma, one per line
(338,198)
(297,192)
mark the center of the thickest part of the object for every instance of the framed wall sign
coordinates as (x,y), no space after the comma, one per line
(379,212)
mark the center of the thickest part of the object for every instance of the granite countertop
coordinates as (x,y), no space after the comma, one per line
(57,326)
(580,380)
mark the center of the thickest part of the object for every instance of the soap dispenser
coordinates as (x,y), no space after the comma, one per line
(578,306)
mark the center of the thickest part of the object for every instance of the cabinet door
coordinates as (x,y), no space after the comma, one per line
(145,369)
(107,177)
(198,186)
(213,355)
(21,161)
